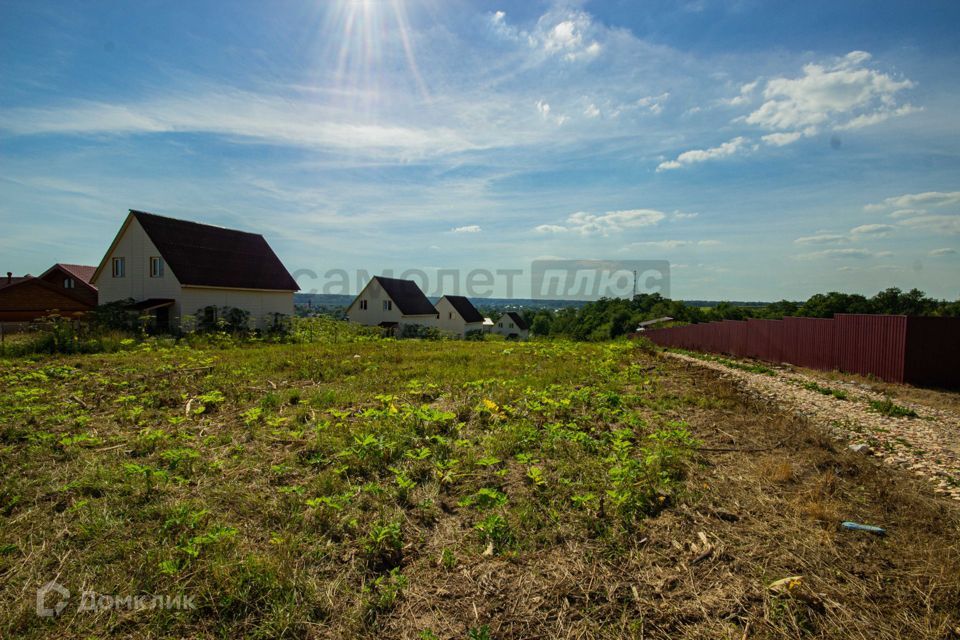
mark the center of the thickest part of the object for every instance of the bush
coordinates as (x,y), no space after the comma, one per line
(419,331)
(210,319)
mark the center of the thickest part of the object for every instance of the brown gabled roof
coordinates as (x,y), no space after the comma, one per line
(407,296)
(80,271)
(209,256)
(465,308)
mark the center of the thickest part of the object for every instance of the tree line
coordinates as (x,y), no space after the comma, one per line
(613,317)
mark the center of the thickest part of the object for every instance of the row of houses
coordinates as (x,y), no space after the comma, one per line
(394,303)
(172,269)
(175,269)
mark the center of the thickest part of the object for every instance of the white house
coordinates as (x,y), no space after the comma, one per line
(391,302)
(511,325)
(175,268)
(458,316)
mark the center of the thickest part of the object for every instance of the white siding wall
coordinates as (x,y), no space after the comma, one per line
(137,249)
(455,324)
(260,304)
(374,314)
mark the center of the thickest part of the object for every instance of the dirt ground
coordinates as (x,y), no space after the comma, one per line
(767,498)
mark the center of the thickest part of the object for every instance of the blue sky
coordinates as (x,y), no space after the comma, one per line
(767,150)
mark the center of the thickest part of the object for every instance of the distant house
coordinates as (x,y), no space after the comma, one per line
(174,269)
(458,316)
(391,302)
(62,289)
(511,325)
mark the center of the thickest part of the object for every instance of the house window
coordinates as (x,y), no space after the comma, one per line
(68,283)
(500,324)
(363,305)
(511,325)
(450,316)
(156,267)
(119,267)
(388,305)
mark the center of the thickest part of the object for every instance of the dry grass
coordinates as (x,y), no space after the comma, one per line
(762,502)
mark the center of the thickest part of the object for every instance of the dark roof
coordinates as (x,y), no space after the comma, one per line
(14,280)
(517,320)
(204,255)
(465,308)
(407,296)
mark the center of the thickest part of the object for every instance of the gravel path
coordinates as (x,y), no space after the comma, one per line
(927,445)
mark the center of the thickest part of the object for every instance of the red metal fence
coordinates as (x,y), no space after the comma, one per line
(916,350)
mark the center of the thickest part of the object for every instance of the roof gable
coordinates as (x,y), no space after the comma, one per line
(408,297)
(465,308)
(79,272)
(209,256)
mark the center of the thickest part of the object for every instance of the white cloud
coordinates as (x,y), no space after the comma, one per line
(906,213)
(823,238)
(693,156)
(680,215)
(868,119)
(653,103)
(913,200)
(569,37)
(872,229)
(943,252)
(944,224)
(745,95)
(843,254)
(842,95)
(543,108)
(782,139)
(239,114)
(591,111)
(604,224)
(470,228)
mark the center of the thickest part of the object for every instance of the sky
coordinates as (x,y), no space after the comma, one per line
(767,150)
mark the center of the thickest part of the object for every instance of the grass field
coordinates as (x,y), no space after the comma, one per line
(359,487)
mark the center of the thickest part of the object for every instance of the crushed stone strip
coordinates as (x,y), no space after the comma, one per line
(928,445)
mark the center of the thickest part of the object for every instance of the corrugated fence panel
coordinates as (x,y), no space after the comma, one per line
(870,344)
(893,348)
(933,352)
(814,342)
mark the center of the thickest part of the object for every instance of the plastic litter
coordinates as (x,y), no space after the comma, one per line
(869,528)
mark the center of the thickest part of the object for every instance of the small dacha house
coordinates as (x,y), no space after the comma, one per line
(511,325)
(175,269)
(458,316)
(392,303)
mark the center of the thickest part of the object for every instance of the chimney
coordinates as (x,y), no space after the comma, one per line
(9,277)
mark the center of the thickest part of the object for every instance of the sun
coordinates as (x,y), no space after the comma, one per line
(366,36)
